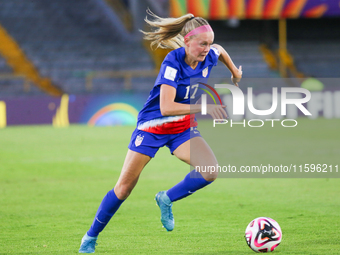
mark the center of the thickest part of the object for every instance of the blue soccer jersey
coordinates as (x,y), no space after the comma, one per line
(175,72)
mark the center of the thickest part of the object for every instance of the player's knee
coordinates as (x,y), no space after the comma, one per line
(123,191)
(210,178)
(210,172)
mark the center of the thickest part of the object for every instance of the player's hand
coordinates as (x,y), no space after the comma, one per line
(217,111)
(236,77)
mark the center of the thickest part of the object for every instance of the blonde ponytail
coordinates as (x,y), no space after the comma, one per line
(170,32)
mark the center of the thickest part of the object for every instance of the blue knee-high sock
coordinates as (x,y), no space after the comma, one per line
(106,210)
(193,181)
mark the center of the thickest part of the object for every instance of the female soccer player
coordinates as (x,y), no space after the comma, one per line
(167,118)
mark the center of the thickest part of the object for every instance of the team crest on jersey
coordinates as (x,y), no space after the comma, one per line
(205,72)
(139,140)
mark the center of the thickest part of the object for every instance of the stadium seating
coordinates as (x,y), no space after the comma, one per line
(318,59)
(67,39)
(248,55)
(9,85)
(4,68)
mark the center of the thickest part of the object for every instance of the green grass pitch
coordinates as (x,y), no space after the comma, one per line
(52,181)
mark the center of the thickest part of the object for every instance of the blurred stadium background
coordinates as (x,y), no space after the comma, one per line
(84,61)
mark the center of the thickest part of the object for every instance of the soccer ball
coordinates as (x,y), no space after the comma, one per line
(263,234)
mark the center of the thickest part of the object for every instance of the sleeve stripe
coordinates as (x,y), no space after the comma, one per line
(215,50)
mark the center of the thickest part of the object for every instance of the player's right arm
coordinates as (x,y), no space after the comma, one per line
(169,107)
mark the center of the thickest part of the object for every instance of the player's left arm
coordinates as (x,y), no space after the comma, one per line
(236,73)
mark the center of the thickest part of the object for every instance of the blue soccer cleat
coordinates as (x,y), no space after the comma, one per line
(88,244)
(164,203)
